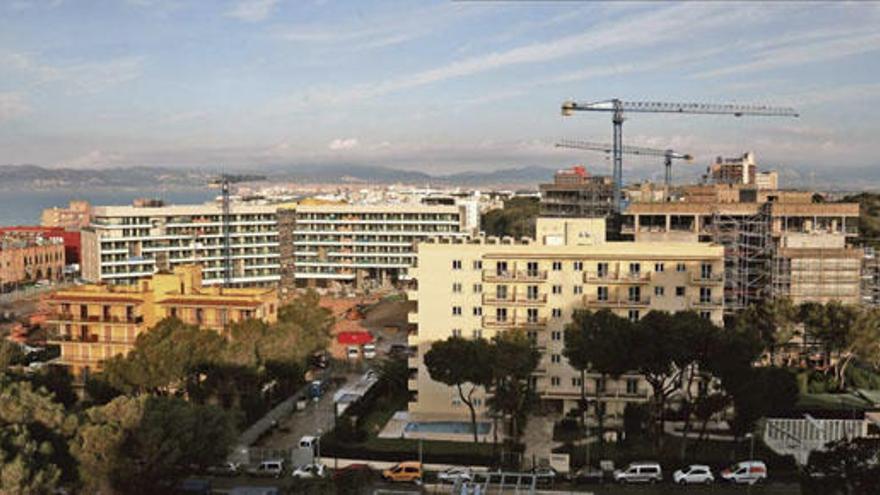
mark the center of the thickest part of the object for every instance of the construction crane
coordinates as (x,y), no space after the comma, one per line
(668,155)
(223,182)
(617,108)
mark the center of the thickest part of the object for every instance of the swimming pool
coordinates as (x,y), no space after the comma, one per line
(449,427)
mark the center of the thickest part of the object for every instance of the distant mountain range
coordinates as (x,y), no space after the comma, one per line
(32,177)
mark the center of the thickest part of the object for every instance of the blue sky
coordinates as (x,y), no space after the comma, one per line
(437,86)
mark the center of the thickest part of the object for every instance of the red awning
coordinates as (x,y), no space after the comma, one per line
(354,338)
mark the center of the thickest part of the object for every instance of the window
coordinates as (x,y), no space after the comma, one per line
(478,311)
(557,312)
(501,268)
(602,293)
(706,270)
(456,311)
(456,332)
(532,292)
(578,266)
(557,266)
(632,386)
(600,384)
(477,403)
(659,267)
(555,358)
(500,314)
(575,382)
(478,334)
(602,269)
(659,291)
(635,294)
(532,315)
(501,292)
(705,295)
(556,335)
(478,288)
(633,315)
(533,336)
(635,268)
(456,264)
(532,268)
(681,267)
(706,315)
(456,287)
(554,381)
(679,291)
(478,264)
(557,289)
(578,290)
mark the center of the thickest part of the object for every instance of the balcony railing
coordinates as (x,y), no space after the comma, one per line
(514,275)
(493,322)
(76,318)
(707,278)
(617,302)
(617,277)
(712,302)
(514,299)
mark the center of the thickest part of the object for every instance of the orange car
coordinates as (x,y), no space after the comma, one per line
(409,471)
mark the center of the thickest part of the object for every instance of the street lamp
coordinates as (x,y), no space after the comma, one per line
(751,438)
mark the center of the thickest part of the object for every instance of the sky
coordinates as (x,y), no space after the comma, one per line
(439,86)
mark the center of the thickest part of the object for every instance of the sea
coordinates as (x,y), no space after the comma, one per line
(25,207)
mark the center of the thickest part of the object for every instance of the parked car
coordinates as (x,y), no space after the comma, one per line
(309,471)
(398,350)
(225,469)
(272,468)
(545,475)
(354,470)
(588,474)
(408,471)
(695,473)
(308,442)
(639,472)
(745,472)
(454,474)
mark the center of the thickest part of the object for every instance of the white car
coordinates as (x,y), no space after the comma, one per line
(693,474)
(309,471)
(745,472)
(640,472)
(454,474)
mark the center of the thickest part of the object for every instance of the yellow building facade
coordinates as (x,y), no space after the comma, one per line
(484,286)
(96,322)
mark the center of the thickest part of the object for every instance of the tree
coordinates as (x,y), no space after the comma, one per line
(516,219)
(761,392)
(513,360)
(163,357)
(848,333)
(145,444)
(10,354)
(462,364)
(774,320)
(598,342)
(847,465)
(34,432)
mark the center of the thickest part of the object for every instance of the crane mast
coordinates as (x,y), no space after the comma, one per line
(667,155)
(224,182)
(618,107)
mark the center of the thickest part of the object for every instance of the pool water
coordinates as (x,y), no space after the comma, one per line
(452,427)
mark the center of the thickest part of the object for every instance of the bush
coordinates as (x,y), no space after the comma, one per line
(635,416)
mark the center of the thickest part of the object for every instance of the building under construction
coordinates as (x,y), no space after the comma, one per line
(577,193)
(777,243)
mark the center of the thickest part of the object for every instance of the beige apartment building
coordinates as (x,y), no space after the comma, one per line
(76,216)
(482,286)
(29,257)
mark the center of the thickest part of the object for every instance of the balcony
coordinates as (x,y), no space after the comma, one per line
(492,322)
(711,303)
(76,318)
(593,301)
(514,276)
(707,278)
(617,277)
(514,299)
(531,323)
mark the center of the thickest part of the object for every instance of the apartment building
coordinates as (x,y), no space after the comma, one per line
(126,243)
(351,244)
(576,193)
(96,322)
(482,286)
(76,216)
(29,257)
(71,238)
(776,242)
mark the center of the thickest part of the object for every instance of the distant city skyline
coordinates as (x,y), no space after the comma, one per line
(440,87)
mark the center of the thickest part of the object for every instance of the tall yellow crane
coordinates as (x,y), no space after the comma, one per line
(618,108)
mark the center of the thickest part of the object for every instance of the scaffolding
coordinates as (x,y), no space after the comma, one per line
(870,277)
(748,253)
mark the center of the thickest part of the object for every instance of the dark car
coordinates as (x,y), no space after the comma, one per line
(362,471)
(587,474)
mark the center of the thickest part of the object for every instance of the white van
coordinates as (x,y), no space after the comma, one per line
(272,468)
(745,472)
(307,442)
(639,472)
(369,351)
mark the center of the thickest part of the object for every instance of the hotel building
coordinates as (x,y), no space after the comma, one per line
(480,287)
(96,322)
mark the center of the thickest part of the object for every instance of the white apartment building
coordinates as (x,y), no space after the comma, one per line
(483,286)
(125,243)
(343,243)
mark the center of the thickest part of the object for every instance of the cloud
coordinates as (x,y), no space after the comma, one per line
(12,106)
(821,50)
(343,144)
(252,10)
(95,159)
(81,77)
